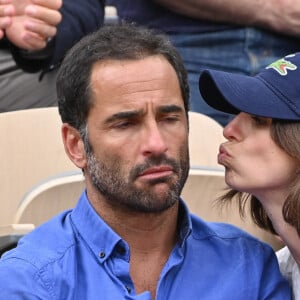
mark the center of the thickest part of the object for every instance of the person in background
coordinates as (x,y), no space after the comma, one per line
(240,36)
(262,155)
(34,36)
(123,99)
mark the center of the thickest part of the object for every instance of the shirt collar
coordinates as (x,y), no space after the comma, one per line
(102,240)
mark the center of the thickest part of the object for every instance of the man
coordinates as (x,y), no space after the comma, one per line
(123,99)
(34,36)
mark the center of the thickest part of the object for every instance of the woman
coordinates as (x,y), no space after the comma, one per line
(262,152)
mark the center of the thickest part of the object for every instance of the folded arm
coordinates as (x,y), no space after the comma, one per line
(282,16)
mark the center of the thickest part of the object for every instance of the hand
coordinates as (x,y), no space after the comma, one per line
(7,10)
(33,22)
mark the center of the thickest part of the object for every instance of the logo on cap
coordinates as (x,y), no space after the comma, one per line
(282,66)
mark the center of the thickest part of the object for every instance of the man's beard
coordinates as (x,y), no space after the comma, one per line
(119,191)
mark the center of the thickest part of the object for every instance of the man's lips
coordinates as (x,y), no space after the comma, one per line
(156,172)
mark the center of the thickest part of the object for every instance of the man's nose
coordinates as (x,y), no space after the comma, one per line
(154,142)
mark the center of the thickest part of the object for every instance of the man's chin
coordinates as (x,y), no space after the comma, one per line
(158,188)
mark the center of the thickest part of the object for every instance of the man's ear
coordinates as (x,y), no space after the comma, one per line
(74,146)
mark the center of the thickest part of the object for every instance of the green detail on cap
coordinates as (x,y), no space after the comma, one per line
(281,66)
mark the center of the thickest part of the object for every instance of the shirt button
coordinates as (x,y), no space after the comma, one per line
(128,289)
(102,254)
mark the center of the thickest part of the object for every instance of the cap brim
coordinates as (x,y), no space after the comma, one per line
(233,93)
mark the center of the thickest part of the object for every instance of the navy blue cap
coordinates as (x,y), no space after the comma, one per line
(273,93)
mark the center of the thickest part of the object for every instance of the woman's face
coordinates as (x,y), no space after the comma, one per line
(253,162)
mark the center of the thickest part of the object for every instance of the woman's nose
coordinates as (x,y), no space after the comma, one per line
(232,131)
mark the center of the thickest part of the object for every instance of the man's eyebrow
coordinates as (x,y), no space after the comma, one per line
(137,113)
(123,115)
(170,109)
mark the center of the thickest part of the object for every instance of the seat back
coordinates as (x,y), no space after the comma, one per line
(205,137)
(49,198)
(31,151)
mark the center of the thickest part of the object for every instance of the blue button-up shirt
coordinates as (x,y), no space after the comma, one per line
(77,255)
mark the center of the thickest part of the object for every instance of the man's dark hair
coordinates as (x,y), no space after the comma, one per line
(116,42)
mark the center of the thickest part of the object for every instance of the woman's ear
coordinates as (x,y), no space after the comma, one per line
(74,145)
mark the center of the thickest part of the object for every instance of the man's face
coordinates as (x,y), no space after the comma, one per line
(137,134)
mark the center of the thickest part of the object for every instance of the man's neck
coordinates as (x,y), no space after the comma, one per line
(151,238)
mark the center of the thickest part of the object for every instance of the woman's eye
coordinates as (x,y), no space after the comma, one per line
(260,120)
